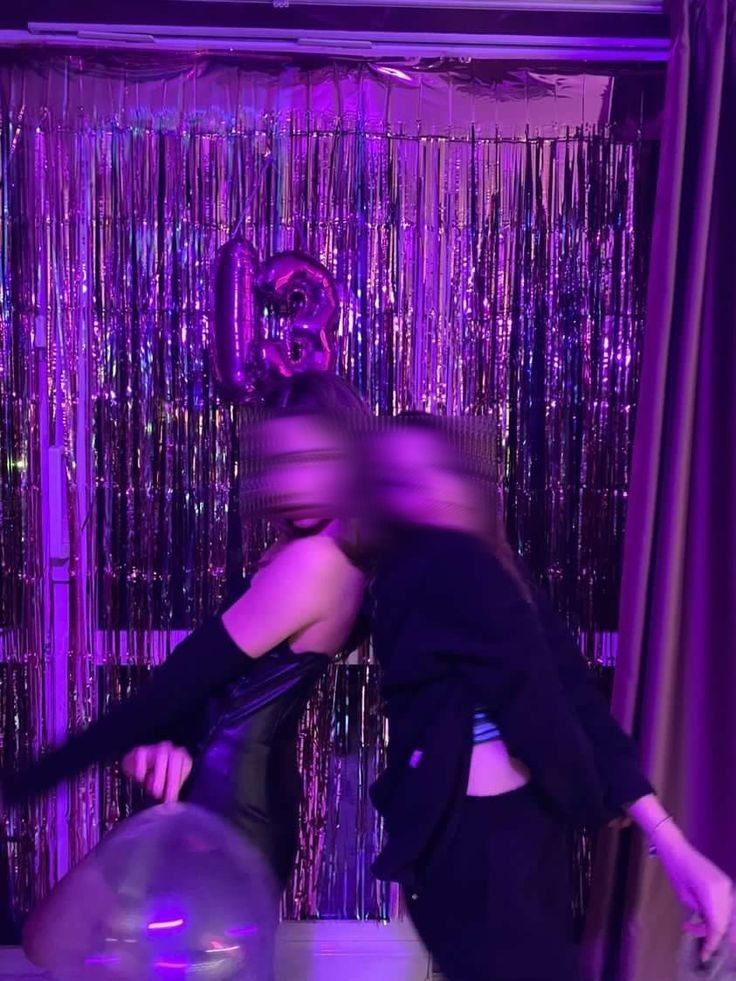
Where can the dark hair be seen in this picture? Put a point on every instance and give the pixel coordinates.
(469, 440)
(314, 393)
(469, 444)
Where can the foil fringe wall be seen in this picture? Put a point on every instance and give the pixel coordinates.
(492, 273)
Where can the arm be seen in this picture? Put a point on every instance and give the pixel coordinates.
(616, 754)
(700, 885)
(288, 596)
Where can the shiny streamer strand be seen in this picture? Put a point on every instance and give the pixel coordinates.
(497, 275)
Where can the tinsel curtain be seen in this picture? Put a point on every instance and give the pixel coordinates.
(489, 237)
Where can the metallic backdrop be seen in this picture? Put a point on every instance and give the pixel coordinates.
(488, 230)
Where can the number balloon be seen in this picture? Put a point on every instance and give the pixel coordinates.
(303, 295)
(237, 326)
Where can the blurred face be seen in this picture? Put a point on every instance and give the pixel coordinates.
(308, 471)
(418, 482)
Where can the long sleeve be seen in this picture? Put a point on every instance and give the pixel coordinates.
(615, 751)
(473, 616)
(198, 667)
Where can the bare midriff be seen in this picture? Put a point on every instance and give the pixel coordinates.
(494, 771)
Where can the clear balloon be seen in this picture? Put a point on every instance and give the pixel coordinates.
(175, 892)
(237, 324)
(303, 295)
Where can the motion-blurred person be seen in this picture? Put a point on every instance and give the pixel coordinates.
(248, 671)
(498, 738)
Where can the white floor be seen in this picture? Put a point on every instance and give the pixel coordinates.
(328, 950)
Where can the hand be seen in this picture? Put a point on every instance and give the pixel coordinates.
(701, 886)
(162, 769)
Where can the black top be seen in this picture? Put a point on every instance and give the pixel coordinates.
(451, 631)
(246, 766)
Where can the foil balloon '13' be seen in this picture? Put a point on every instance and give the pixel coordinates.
(237, 326)
(303, 295)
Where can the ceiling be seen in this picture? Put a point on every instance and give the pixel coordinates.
(579, 30)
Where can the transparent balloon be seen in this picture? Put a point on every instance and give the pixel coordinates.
(175, 892)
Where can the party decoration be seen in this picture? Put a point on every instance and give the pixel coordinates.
(487, 269)
(237, 329)
(303, 295)
(174, 892)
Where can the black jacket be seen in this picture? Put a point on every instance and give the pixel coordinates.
(452, 632)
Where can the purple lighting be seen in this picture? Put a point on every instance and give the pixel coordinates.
(393, 73)
(247, 930)
(163, 925)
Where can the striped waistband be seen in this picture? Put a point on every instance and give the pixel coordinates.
(484, 731)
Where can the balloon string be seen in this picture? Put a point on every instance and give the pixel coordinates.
(256, 187)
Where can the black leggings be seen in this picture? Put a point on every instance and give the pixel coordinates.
(494, 905)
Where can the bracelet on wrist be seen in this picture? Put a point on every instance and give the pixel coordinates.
(655, 829)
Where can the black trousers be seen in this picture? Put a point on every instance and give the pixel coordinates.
(494, 903)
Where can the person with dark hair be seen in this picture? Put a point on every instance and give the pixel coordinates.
(498, 738)
(249, 670)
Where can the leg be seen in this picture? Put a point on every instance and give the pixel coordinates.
(495, 904)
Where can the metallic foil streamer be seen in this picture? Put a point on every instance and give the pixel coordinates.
(26, 835)
(489, 235)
